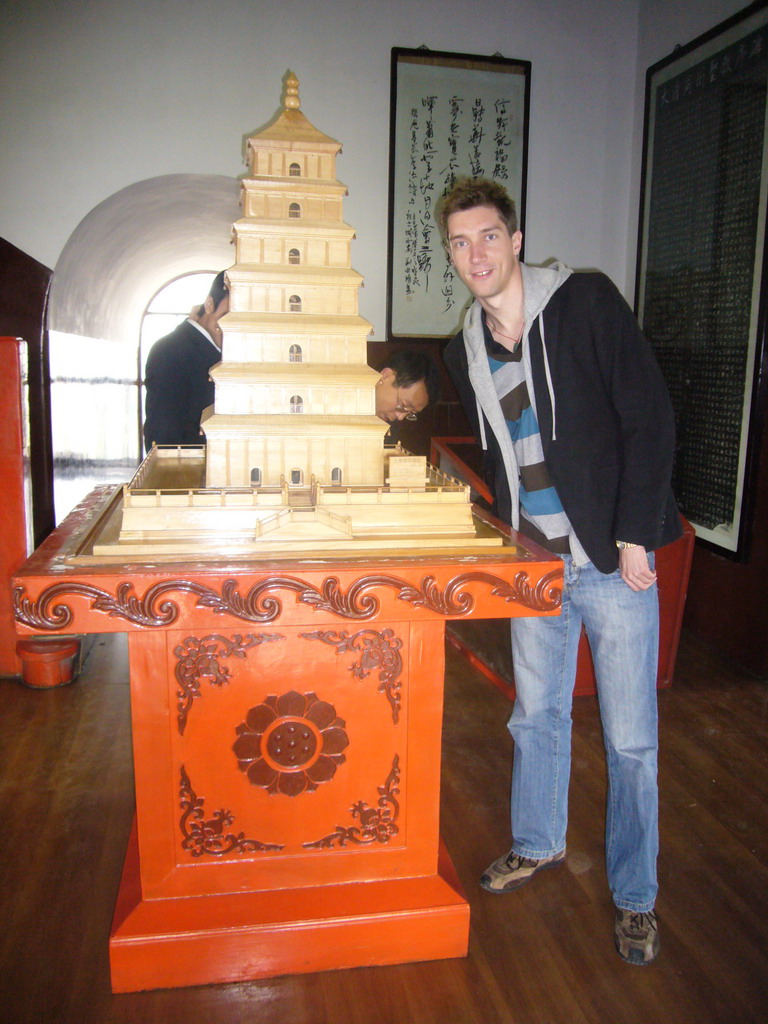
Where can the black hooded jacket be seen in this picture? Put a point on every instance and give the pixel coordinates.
(606, 421)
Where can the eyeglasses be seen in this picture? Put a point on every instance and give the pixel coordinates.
(409, 414)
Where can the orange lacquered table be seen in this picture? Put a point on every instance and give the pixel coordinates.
(286, 729)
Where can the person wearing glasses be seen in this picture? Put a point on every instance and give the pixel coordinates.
(406, 386)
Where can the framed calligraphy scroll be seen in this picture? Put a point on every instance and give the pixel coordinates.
(451, 115)
(701, 284)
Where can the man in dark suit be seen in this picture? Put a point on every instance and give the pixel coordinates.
(176, 378)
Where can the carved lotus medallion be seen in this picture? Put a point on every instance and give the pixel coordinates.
(291, 744)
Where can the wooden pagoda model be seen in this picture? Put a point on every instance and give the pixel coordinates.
(294, 394)
(295, 457)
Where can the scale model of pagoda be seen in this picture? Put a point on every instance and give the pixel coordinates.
(294, 458)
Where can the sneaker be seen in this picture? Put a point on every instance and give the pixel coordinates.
(512, 871)
(636, 936)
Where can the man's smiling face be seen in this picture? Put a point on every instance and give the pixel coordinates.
(482, 251)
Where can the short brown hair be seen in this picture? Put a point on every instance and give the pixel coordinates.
(470, 192)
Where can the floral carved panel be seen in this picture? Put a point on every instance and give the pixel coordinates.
(154, 609)
(376, 824)
(378, 650)
(199, 659)
(209, 836)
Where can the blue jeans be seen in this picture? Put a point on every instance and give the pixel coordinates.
(623, 629)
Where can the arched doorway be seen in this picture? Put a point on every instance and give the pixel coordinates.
(117, 260)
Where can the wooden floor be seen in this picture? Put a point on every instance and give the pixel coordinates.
(543, 955)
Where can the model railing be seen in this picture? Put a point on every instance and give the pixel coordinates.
(436, 485)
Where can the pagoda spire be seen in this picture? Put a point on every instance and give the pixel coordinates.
(292, 92)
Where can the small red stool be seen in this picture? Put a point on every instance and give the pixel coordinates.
(47, 662)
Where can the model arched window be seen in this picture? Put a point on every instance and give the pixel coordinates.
(294, 210)
(294, 256)
(297, 477)
(297, 403)
(295, 303)
(336, 476)
(294, 171)
(295, 354)
(256, 477)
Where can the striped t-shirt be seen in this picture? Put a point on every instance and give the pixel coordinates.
(541, 513)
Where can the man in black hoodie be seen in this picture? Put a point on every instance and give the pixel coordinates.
(566, 398)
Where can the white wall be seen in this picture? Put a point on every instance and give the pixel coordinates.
(99, 94)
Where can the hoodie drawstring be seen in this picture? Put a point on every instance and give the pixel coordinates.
(548, 375)
(481, 421)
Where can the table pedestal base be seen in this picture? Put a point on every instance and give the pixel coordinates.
(168, 943)
(287, 727)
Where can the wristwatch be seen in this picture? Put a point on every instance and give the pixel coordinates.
(621, 544)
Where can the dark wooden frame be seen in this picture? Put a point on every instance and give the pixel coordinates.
(703, 304)
(460, 137)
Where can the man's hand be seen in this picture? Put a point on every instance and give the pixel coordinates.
(634, 568)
